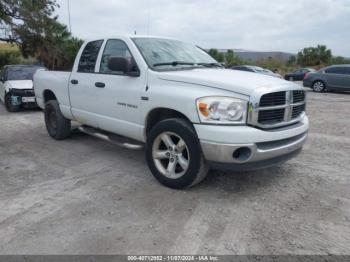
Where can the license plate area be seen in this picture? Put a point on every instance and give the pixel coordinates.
(28, 99)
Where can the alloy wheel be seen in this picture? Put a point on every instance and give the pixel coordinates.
(170, 155)
(318, 86)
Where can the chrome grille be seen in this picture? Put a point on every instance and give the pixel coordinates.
(297, 111)
(273, 99)
(271, 116)
(277, 109)
(298, 96)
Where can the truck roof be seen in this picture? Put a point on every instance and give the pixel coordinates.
(132, 36)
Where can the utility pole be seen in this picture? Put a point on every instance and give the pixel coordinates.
(69, 22)
(148, 21)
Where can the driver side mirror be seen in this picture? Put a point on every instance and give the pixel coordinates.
(121, 64)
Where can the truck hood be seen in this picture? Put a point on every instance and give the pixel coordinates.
(231, 80)
(20, 84)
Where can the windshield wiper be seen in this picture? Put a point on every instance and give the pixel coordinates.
(210, 64)
(173, 63)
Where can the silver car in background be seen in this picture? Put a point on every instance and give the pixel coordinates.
(332, 78)
(256, 69)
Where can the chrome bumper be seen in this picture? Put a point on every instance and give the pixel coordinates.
(253, 152)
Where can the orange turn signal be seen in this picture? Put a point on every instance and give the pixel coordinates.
(203, 108)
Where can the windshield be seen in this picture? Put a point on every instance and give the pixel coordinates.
(169, 54)
(21, 72)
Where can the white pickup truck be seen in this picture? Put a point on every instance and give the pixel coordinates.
(189, 112)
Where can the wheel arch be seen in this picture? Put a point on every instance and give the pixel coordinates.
(156, 115)
(319, 80)
(49, 95)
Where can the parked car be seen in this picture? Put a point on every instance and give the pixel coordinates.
(299, 74)
(256, 69)
(16, 86)
(336, 78)
(172, 97)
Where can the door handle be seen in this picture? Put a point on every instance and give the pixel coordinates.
(100, 84)
(74, 82)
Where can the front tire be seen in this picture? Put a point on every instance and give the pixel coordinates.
(8, 104)
(174, 155)
(318, 86)
(57, 125)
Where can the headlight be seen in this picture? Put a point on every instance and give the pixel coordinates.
(222, 110)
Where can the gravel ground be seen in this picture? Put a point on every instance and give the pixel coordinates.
(85, 196)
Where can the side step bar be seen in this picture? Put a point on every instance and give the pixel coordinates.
(114, 139)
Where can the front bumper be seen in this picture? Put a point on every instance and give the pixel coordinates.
(244, 147)
(24, 97)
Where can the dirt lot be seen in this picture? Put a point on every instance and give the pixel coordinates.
(85, 196)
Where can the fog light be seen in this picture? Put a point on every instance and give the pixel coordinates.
(242, 154)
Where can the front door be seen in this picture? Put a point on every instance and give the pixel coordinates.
(119, 113)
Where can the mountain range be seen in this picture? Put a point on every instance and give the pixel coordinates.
(254, 56)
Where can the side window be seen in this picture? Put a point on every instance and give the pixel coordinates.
(114, 48)
(347, 70)
(89, 56)
(335, 70)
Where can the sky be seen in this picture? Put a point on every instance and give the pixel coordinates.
(261, 25)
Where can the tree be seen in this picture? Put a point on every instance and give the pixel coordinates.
(15, 14)
(292, 61)
(313, 56)
(231, 59)
(340, 60)
(32, 25)
(218, 56)
(9, 57)
(270, 63)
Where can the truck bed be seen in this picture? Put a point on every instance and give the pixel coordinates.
(57, 81)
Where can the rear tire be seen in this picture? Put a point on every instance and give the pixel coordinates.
(319, 86)
(9, 106)
(174, 155)
(57, 125)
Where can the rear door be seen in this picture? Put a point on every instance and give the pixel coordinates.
(119, 113)
(84, 95)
